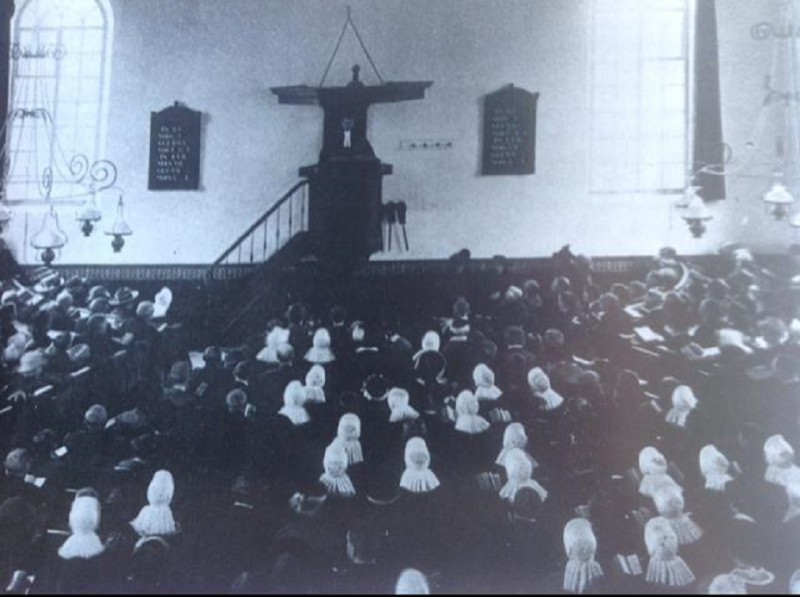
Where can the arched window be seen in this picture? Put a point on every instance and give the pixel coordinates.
(640, 76)
(60, 69)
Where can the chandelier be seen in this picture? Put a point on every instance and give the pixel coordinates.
(772, 151)
(37, 171)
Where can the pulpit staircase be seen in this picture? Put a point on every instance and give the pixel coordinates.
(242, 278)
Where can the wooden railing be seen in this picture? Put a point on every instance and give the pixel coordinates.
(287, 216)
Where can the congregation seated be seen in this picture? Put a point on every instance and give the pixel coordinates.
(549, 434)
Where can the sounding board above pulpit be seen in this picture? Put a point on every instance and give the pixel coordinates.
(345, 190)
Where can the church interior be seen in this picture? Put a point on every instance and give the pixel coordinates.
(400, 297)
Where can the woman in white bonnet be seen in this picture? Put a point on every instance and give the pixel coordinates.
(315, 385)
(669, 502)
(156, 517)
(665, 567)
(349, 434)
(794, 583)
(398, 400)
(430, 342)
(412, 582)
(683, 403)
(580, 544)
(518, 475)
(84, 520)
(468, 420)
(727, 584)
(320, 351)
(714, 467)
(335, 478)
(779, 457)
(539, 383)
(653, 468)
(275, 338)
(418, 477)
(83, 557)
(485, 389)
(514, 436)
(294, 397)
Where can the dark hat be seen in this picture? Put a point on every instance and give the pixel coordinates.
(49, 284)
(296, 313)
(338, 314)
(80, 353)
(236, 399)
(131, 419)
(375, 387)
(430, 365)
(18, 462)
(212, 354)
(146, 310)
(622, 292)
(560, 284)
(96, 415)
(514, 335)
(527, 503)
(98, 292)
(667, 253)
(243, 369)
(461, 309)
(99, 305)
(75, 282)
(553, 337)
(351, 401)
(382, 489)
(637, 289)
(123, 296)
(179, 373)
(60, 341)
(44, 439)
(773, 329)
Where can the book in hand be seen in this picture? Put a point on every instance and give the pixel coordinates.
(633, 312)
(499, 415)
(629, 564)
(80, 372)
(694, 352)
(196, 358)
(42, 391)
(450, 413)
(646, 334)
(489, 481)
(35, 481)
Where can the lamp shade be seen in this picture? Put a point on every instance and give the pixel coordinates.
(89, 213)
(49, 235)
(696, 210)
(778, 194)
(685, 199)
(120, 226)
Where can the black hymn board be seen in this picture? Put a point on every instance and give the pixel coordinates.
(174, 149)
(509, 132)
